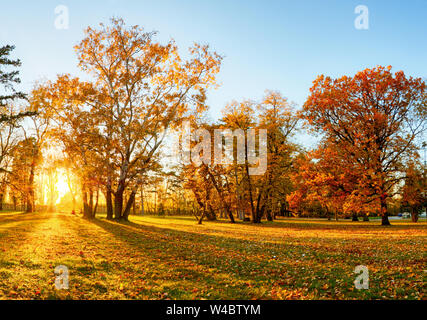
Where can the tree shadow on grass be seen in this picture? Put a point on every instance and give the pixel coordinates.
(302, 223)
(230, 267)
(311, 224)
(194, 265)
(21, 218)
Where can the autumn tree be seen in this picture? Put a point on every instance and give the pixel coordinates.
(277, 116)
(374, 119)
(140, 89)
(212, 183)
(413, 191)
(35, 133)
(197, 180)
(241, 116)
(21, 178)
(79, 138)
(263, 193)
(324, 177)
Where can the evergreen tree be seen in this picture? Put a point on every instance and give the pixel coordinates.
(7, 81)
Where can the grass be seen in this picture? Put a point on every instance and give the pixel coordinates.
(174, 258)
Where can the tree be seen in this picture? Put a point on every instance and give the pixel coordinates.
(140, 89)
(198, 180)
(413, 191)
(35, 134)
(211, 183)
(9, 138)
(278, 118)
(325, 177)
(26, 155)
(374, 119)
(7, 81)
(9, 114)
(264, 193)
(78, 135)
(241, 116)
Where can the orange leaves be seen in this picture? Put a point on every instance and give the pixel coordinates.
(372, 121)
(413, 191)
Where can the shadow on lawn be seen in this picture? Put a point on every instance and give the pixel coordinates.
(305, 224)
(220, 265)
(128, 231)
(21, 217)
(226, 266)
(309, 224)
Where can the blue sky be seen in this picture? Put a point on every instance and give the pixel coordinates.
(278, 45)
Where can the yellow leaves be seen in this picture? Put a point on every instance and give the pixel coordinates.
(140, 89)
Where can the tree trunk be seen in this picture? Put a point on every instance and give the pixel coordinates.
(29, 205)
(260, 212)
(414, 215)
(30, 196)
(96, 203)
(384, 213)
(91, 202)
(86, 210)
(230, 214)
(129, 204)
(200, 220)
(1, 201)
(257, 214)
(109, 201)
(74, 204)
(142, 202)
(384, 220)
(255, 219)
(269, 215)
(73, 196)
(355, 218)
(210, 214)
(155, 203)
(118, 202)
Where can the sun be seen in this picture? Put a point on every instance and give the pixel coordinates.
(61, 186)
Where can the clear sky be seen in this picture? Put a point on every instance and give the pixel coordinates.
(279, 45)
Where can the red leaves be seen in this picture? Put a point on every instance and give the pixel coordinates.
(369, 121)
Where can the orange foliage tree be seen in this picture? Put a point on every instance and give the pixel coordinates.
(326, 178)
(373, 118)
(414, 189)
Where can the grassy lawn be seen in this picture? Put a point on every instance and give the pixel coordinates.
(174, 258)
